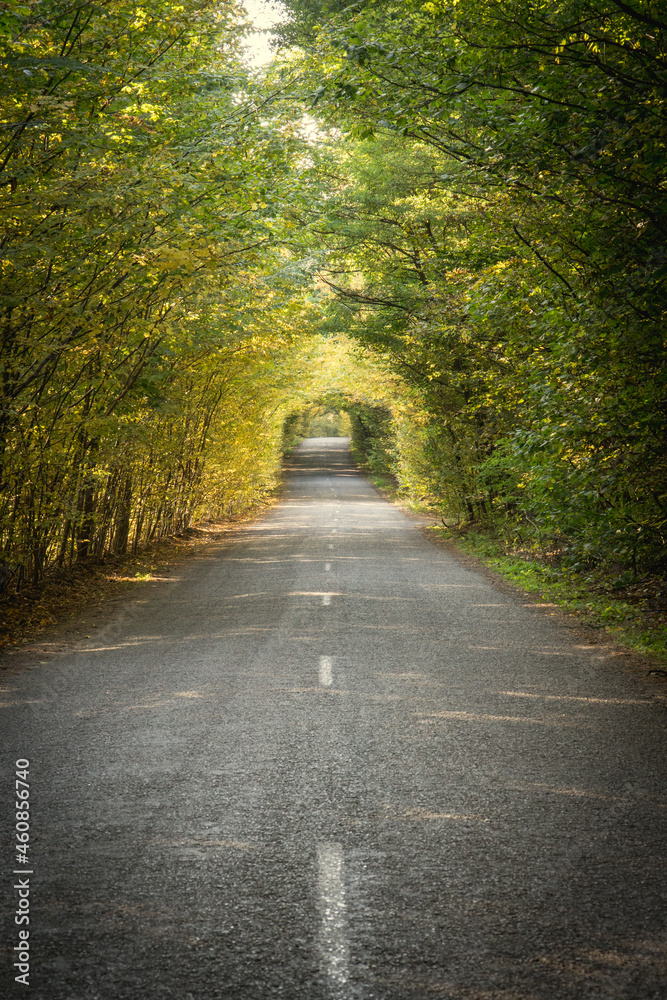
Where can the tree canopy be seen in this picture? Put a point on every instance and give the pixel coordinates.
(472, 193)
(498, 228)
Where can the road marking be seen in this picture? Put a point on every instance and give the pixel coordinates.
(326, 679)
(330, 546)
(334, 946)
(326, 599)
(327, 567)
(334, 530)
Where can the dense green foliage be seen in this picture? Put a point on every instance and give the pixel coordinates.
(482, 209)
(497, 227)
(145, 323)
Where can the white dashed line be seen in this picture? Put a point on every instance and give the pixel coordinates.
(326, 678)
(333, 941)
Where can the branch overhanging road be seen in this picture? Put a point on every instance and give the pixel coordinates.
(329, 762)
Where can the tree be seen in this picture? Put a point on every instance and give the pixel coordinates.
(140, 186)
(547, 124)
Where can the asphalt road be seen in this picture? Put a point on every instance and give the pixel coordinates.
(326, 761)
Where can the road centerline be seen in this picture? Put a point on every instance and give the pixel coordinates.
(333, 936)
(325, 671)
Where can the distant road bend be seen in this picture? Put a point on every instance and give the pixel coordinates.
(328, 762)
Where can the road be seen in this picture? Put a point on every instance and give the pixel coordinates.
(327, 761)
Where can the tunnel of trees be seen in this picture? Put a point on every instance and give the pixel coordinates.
(444, 221)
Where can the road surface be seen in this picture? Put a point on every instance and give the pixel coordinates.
(326, 761)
